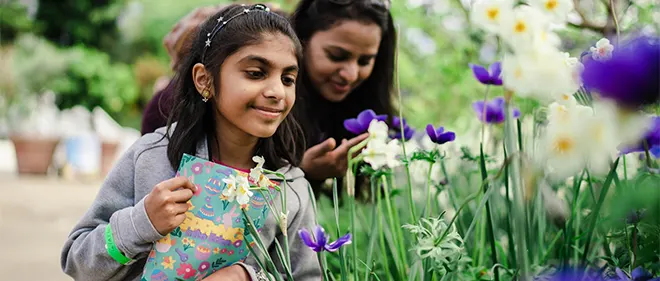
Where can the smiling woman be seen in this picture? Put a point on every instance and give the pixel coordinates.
(348, 67)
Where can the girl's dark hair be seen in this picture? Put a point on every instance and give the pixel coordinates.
(322, 119)
(195, 120)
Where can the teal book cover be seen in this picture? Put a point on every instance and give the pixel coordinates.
(214, 233)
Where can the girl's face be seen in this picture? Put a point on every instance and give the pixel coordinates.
(342, 57)
(257, 87)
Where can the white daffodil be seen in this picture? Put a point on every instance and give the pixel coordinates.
(541, 73)
(243, 192)
(562, 149)
(374, 153)
(631, 125)
(257, 175)
(230, 191)
(576, 68)
(523, 27)
(564, 144)
(392, 153)
(602, 137)
(489, 14)
(567, 100)
(264, 181)
(546, 38)
(567, 112)
(556, 10)
(378, 130)
(603, 50)
(257, 171)
(380, 154)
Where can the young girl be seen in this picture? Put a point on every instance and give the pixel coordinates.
(234, 92)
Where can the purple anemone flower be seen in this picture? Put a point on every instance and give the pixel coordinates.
(439, 135)
(630, 76)
(492, 76)
(319, 242)
(408, 131)
(638, 274)
(360, 124)
(652, 138)
(493, 111)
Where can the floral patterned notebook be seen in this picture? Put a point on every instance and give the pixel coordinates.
(214, 234)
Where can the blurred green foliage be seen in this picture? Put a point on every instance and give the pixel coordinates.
(71, 22)
(92, 80)
(13, 20)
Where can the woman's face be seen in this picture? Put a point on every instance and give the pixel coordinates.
(340, 58)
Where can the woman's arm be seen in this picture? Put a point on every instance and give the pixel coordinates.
(84, 256)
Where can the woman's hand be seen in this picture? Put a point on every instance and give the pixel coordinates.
(324, 161)
(166, 205)
(231, 273)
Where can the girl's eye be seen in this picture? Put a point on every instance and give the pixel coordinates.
(255, 74)
(289, 80)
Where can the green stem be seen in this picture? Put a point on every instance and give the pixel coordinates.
(287, 253)
(625, 168)
(450, 192)
(262, 248)
(458, 211)
(616, 21)
(354, 251)
(281, 251)
(429, 209)
(374, 225)
(544, 259)
(518, 196)
(350, 182)
(381, 232)
(509, 232)
(489, 216)
(601, 199)
(324, 264)
(396, 228)
(647, 155)
(259, 262)
(342, 250)
(413, 216)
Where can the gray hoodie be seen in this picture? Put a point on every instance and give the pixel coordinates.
(120, 202)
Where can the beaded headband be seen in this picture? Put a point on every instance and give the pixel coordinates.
(221, 22)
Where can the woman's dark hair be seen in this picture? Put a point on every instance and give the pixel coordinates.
(195, 119)
(322, 119)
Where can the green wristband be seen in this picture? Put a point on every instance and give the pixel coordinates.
(112, 248)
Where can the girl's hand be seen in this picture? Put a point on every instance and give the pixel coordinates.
(166, 204)
(231, 273)
(324, 161)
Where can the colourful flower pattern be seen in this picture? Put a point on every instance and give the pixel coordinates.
(203, 245)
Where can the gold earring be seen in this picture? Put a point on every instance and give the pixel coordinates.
(205, 95)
